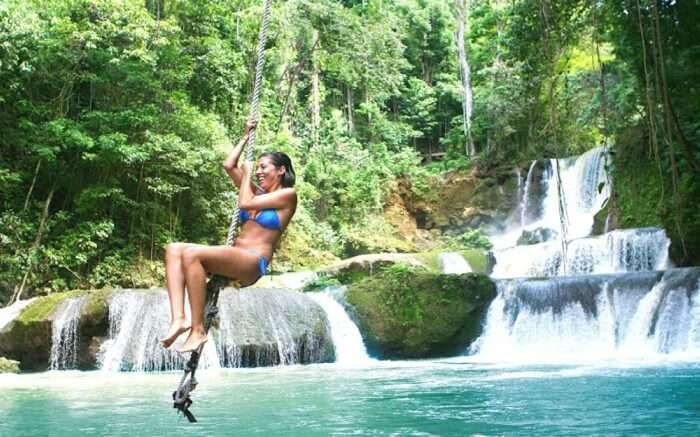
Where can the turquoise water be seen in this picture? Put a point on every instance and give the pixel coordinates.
(447, 397)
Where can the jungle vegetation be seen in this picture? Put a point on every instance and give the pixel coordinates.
(116, 114)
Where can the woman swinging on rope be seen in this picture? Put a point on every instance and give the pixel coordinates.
(266, 210)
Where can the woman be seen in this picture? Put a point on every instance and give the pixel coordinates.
(265, 213)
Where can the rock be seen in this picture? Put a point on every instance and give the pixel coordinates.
(536, 236)
(412, 313)
(360, 266)
(8, 366)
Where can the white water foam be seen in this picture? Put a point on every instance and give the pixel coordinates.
(350, 350)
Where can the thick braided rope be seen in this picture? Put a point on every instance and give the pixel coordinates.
(262, 39)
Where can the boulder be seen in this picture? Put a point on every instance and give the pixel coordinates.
(406, 312)
(536, 236)
(8, 366)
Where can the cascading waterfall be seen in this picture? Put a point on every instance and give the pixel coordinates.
(280, 323)
(350, 350)
(597, 317)
(524, 202)
(584, 187)
(630, 250)
(579, 184)
(137, 320)
(64, 334)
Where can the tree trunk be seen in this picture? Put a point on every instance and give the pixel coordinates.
(350, 104)
(31, 187)
(315, 96)
(465, 73)
(35, 246)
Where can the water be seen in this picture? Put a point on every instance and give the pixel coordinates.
(256, 327)
(64, 334)
(350, 351)
(633, 316)
(574, 189)
(421, 398)
(629, 250)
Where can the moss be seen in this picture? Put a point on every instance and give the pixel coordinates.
(42, 307)
(411, 312)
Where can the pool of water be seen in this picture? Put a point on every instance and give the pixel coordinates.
(421, 398)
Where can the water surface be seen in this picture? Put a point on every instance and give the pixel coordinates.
(421, 398)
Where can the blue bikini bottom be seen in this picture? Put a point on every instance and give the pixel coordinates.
(262, 262)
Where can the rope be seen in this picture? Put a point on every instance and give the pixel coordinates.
(188, 382)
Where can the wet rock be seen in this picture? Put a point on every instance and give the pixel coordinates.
(8, 366)
(536, 236)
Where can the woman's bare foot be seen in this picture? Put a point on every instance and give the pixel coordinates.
(177, 327)
(194, 341)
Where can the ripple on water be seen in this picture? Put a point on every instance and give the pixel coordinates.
(400, 398)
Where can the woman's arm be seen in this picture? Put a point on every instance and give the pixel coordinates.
(231, 162)
(280, 199)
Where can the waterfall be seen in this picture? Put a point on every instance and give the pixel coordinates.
(526, 195)
(350, 350)
(64, 334)
(584, 189)
(453, 262)
(597, 317)
(137, 319)
(631, 250)
(270, 327)
(579, 184)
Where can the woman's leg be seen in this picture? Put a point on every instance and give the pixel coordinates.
(232, 262)
(175, 281)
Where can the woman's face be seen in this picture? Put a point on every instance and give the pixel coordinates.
(267, 174)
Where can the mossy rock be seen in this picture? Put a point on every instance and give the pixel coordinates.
(8, 366)
(406, 312)
(28, 337)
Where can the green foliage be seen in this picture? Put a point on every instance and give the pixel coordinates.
(116, 114)
(474, 239)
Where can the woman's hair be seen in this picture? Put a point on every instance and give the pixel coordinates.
(279, 159)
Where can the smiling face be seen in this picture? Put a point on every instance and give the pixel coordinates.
(268, 176)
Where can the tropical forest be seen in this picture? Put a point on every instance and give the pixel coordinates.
(510, 187)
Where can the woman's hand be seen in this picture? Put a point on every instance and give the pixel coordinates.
(248, 168)
(250, 126)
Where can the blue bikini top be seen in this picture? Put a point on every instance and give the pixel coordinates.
(266, 218)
